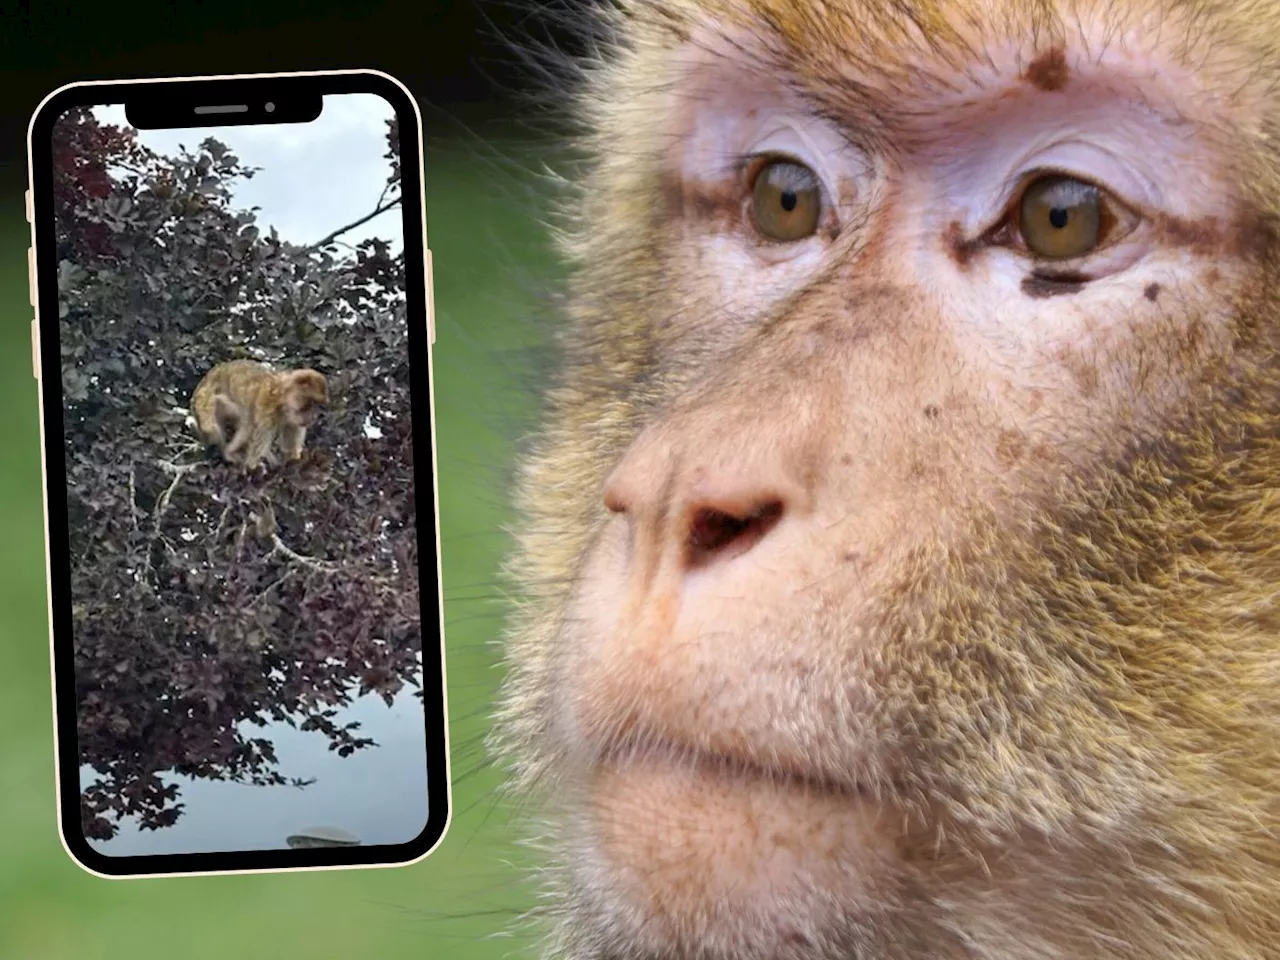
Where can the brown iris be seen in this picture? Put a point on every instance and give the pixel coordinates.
(1061, 217)
(786, 201)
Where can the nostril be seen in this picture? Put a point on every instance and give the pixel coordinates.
(717, 533)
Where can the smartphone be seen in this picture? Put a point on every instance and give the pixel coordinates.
(232, 345)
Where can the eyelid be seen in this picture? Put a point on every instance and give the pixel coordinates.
(753, 164)
(801, 141)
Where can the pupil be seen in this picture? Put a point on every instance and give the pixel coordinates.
(1058, 217)
(788, 201)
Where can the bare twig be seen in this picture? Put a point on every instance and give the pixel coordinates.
(222, 519)
(133, 498)
(244, 527)
(190, 447)
(271, 586)
(162, 504)
(175, 469)
(177, 472)
(387, 189)
(321, 566)
(380, 209)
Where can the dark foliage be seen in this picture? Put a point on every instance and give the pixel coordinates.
(208, 603)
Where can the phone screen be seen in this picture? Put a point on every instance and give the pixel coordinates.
(234, 359)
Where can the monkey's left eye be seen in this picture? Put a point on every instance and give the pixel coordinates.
(1060, 217)
(786, 200)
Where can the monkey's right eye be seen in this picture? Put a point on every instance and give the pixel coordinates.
(786, 200)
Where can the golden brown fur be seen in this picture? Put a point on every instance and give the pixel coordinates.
(247, 409)
(1003, 682)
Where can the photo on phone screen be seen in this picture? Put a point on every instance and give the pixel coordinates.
(234, 358)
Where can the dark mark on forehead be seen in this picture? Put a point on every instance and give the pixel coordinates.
(1048, 71)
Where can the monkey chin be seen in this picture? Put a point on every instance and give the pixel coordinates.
(698, 857)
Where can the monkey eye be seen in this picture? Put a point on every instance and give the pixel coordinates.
(786, 200)
(1061, 217)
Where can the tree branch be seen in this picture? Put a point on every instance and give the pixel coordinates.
(380, 209)
(321, 566)
(162, 503)
(133, 499)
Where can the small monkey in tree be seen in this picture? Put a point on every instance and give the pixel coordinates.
(247, 409)
(901, 548)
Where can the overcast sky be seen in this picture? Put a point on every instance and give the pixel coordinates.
(314, 177)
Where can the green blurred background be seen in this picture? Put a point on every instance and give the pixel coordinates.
(492, 271)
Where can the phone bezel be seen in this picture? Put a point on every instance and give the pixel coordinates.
(282, 88)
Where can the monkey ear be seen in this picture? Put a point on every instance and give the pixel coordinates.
(319, 383)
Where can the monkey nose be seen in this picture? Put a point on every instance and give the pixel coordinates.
(715, 533)
(706, 513)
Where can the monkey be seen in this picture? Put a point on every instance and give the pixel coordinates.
(897, 550)
(246, 409)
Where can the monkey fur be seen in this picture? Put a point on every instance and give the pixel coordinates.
(247, 409)
(999, 678)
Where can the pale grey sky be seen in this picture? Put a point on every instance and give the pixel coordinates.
(314, 177)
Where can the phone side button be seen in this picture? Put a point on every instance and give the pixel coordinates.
(35, 349)
(431, 300)
(31, 210)
(31, 275)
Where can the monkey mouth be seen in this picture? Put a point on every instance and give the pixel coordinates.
(689, 837)
(732, 766)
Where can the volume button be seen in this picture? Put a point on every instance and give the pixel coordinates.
(431, 300)
(35, 349)
(31, 210)
(31, 275)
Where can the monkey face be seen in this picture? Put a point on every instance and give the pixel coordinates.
(307, 396)
(306, 413)
(910, 505)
